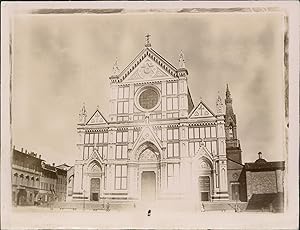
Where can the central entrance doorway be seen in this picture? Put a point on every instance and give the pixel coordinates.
(148, 186)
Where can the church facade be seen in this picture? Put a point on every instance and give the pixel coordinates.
(156, 143)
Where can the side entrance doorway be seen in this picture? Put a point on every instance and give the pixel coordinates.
(148, 186)
(95, 189)
(235, 191)
(204, 188)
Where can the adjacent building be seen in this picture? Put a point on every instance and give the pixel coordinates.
(156, 143)
(262, 183)
(35, 181)
(26, 177)
(48, 183)
(61, 183)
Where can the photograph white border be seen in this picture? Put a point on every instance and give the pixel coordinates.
(288, 219)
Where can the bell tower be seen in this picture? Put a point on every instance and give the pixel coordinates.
(233, 148)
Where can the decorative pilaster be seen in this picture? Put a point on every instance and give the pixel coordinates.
(183, 91)
(163, 99)
(113, 102)
(132, 180)
(78, 177)
(112, 135)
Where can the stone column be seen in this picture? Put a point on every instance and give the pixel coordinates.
(113, 102)
(78, 177)
(131, 102)
(132, 180)
(111, 143)
(86, 186)
(214, 188)
(185, 176)
(194, 189)
(163, 99)
(110, 177)
(80, 144)
(184, 148)
(183, 96)
(164, 176)
(223, 175)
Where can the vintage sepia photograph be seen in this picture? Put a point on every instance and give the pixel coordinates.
(150, 115)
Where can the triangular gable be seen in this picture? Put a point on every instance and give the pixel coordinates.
(95, 156)
(201, 110)
(203, 152)
(148, 70)
(97, 119)
(147, 134)
(149, 53)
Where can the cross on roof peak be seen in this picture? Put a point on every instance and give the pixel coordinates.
(147, 43)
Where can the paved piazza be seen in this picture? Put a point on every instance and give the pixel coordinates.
(29, 217)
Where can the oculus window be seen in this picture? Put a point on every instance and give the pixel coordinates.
(148, 98)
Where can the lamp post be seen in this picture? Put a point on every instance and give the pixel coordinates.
(236, 200)
(84, 199)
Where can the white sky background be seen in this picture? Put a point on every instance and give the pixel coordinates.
(61, 61)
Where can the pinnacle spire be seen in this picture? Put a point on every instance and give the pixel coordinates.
(83, 109)
(227, 90)
(228, 95)
(82, 114)
(147, 41)
(181, 60)
(219, 104)
(116, 69)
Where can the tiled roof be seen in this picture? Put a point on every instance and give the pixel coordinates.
(19, 154)
(264, 166)
(263, 201)
(49, 167)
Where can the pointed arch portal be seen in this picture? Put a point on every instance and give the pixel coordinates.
(148, 156)
(94, 170)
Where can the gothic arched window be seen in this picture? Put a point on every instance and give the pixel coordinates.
(230, 132)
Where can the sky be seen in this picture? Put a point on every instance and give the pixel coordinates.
(63, 61)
